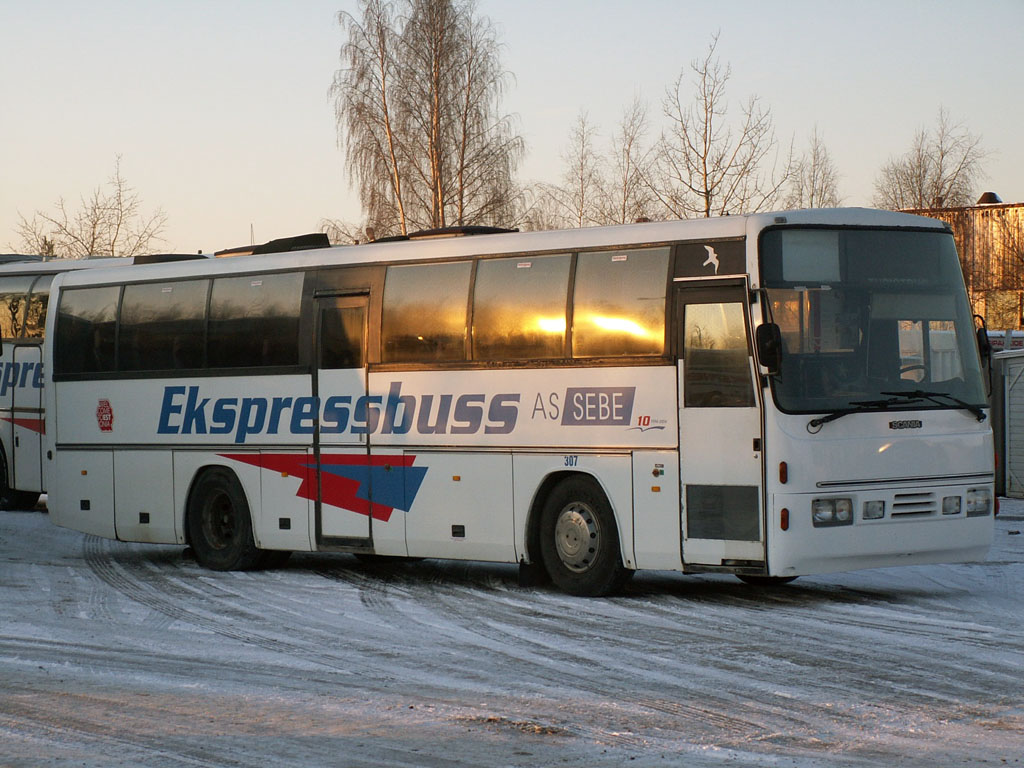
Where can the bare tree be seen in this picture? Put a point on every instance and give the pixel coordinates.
(540, 207)
(579, 198)
(110, 222)
(628, 197)
(705, 166)
(363, 91)
(417, 103)
(941, 169)
(814, 180)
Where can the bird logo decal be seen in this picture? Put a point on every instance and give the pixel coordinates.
(711, 259)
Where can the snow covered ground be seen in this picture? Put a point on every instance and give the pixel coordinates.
(123, 654)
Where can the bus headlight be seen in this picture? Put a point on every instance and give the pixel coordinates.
(873, 510)
(826, 512)
(979, 502)
(951, 505)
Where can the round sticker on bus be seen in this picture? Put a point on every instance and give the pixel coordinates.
(105, 416)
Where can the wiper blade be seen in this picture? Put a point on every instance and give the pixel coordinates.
(859, 406)
(946, 399)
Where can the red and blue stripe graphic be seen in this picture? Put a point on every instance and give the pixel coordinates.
(348, 480)
(36, 425)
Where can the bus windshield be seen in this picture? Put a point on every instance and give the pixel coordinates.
(869, 317)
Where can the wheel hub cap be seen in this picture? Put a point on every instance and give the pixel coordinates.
(577, 537)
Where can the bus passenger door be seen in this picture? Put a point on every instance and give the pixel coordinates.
(719, 429)
(27, 418)
(340, 439)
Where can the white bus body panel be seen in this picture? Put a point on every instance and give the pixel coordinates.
(866, 460)
(144, 497)
(463, 507)
(85, 502)
(657, 521)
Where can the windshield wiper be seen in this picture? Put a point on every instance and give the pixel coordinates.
(858, 406)
(920, 394)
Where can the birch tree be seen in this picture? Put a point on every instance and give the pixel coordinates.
(417, 102)
(628, 196)
(814, 180)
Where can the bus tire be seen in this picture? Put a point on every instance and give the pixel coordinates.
(219, 523)
(579, 540)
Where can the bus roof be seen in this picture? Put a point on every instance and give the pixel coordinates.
(511, 243)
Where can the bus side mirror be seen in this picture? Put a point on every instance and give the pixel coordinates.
(768, 339)
(984, 345)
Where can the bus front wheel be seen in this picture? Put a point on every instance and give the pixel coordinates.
(579, 540)
(219, 523)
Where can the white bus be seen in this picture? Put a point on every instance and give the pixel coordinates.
(753, 395)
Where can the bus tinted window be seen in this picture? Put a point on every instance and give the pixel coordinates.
(35, 316)
(85, 330)
(13, 298)
(619, 303)
(716, 368)
(424, 317)
(162, 326)
(254, 321)
(519, 307)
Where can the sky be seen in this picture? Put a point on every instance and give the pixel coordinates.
(220, 114)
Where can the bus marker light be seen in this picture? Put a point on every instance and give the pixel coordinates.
(85, 472)
(656, 489)
(784, 519)
(456, 478)
(783, 472)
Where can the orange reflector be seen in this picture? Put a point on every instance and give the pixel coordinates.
(784, 519)
(783, 472)
(656, 488)
(457, 478)
(85, 472)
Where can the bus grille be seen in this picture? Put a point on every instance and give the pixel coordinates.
(914, 505)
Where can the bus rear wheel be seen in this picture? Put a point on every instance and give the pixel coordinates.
(219, 523)
(579, 540)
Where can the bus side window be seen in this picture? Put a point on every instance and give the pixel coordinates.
(519, 308)
(254, 321)
(341, 335)
(162, 326)
(86, 321)
(715, 365)
(619, 303)
(424, 317)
